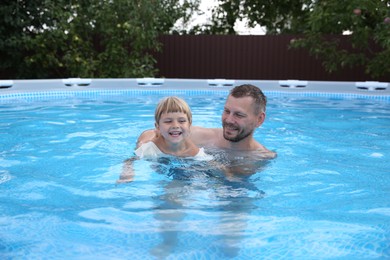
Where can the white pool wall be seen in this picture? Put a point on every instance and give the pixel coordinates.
(290, 85)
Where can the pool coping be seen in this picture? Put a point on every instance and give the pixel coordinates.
(15, 88)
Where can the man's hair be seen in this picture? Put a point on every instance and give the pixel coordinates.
(172, 105)
(248, 90)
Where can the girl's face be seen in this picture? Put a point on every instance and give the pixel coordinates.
(174, 127)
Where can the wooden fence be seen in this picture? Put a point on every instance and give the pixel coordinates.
(260, 57)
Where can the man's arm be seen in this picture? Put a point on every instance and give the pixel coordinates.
(204, 137)
(145, 137)
(127, 174)
(201, 136)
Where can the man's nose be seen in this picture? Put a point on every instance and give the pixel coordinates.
(229, 118)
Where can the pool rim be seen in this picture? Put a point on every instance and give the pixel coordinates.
(26, 89)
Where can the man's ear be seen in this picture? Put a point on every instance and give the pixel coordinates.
(260, 119)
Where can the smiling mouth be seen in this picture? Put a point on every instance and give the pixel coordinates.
(175, 133)
(230, 128)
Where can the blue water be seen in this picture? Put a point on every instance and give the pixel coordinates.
(326, 195)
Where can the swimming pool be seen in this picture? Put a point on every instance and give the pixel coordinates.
(324, 196)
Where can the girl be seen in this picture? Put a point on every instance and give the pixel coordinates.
(173, 119)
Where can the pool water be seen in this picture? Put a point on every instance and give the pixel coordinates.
(326, 195)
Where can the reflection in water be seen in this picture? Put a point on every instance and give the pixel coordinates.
(237, 199)
(169, 212)
(230, 197)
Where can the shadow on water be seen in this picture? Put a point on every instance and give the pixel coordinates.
(221, 190)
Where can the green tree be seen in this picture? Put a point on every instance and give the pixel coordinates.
(86, 38)
(320, 24)
(277, 16)
(368, 24)
(20, 22)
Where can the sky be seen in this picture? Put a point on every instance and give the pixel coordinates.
(240, 27)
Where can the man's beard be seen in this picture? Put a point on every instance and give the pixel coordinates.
(240, 136)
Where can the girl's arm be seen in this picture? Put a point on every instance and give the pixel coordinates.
(127, 174)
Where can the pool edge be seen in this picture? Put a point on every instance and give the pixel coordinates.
(74, 85)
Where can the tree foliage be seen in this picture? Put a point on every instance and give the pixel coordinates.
(87, 38)
(321, 23)
(368, 24)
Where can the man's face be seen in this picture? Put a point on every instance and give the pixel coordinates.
(239, 119)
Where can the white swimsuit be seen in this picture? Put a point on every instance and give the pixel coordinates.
(150, 150)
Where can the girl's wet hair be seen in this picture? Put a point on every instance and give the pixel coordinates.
(248, 90)
(172, 105)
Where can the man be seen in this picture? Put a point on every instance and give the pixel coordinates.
(244, 111)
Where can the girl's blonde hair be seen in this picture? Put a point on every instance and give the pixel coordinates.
(172, 105)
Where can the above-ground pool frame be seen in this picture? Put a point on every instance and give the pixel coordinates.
(15, 89)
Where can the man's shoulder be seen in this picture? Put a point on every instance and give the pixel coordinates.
(267, 154)
(264, 153)
(202, 136)
(205, 131)
(146, 136)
